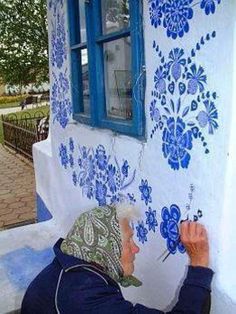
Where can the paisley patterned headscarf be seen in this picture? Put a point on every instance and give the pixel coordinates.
(96, 237)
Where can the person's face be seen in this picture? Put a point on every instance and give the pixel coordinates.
(129, 248)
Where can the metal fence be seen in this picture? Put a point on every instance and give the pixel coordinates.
(21, 133)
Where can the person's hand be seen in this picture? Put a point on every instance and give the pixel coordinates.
(194, 238)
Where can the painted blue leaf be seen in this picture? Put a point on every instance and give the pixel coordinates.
(169, 77)
(183, 76)
(208, 94)
(194, 105)
(178, 105)
(203, 96)
(202, 40)
(213, 34)
(167, 110)
(189, 60)
(185, 69)
(185, 112)
(154, 44)
(214, 95)
(198, 46)
(172, 105)
(160, 54)
(162, 59)
(191, 123)
(207, 151)
(193, 53)
(198, 98)
(171, 88)
(182, 88)
(208, 37)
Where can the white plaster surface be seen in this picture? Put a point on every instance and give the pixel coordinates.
(213, 175)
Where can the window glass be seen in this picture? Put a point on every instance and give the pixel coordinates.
(83, 35)
(85, 80)
(115, 15)
(117, 75)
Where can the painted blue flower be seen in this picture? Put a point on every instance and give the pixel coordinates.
(154, 111)
(169, 228)
(63, 156)
(159, 80)
(125, 169)
(208, 117)
(176, 16)
(151, 219)
(58, 42)
(74, 178)
(209, 6)
(176, 62)
(111, 172)
(141, 232)
(60, 102)
(145, 192)
(101, 193)
(87, 166)
(196, 79)
(176, 143)
(101, 157)
(88, 189)
(155, 11)
(71, 144)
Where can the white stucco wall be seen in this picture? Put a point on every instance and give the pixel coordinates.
(211, 174)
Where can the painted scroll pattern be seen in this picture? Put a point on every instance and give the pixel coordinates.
(182, 109)
(100, 176)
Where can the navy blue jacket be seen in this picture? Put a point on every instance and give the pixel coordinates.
(71, 286)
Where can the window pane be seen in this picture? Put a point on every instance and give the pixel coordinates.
(81, 88)
(85, 80)
(83, 35)
(115, 15)
(117, 72)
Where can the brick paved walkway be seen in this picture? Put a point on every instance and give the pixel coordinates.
(17, 190)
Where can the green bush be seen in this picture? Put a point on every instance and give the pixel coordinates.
(11, 99)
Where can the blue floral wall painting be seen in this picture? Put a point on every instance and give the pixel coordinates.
(182, 109)
(170, 221)
(175, 15)
(61, 106)
(103, 178)
(100, 176)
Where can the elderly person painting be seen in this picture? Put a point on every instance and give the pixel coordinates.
(98, 256)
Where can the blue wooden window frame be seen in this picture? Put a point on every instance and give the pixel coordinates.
(95, 39)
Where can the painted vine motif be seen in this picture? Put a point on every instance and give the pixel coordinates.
(182, 108)
(98, 175)
(60, 99)
(175, 16)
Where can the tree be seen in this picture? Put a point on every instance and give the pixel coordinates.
(23, 42)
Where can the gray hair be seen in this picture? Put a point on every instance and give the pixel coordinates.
(126, 209)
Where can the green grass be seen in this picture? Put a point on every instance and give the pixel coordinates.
(9, 105)
(19, 114)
